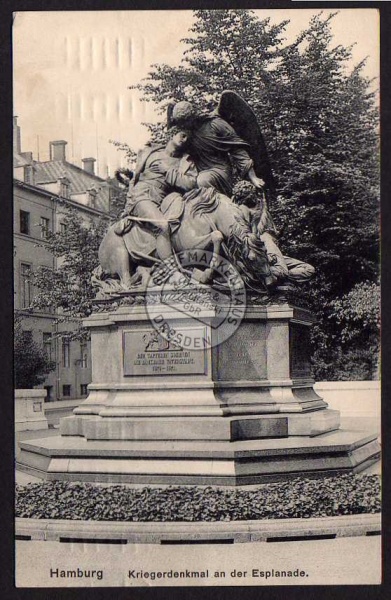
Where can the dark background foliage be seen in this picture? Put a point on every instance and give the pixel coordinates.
(67, 288)
(31, 364)
(319, 117)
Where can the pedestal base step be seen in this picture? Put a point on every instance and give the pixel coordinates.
(201, 428)
(199, 463)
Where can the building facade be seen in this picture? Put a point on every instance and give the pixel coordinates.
(41, 189)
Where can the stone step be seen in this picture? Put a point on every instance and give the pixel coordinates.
(201, 428)
(199, 462)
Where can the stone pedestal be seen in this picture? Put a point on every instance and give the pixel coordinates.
(29, 413)
(204, 410)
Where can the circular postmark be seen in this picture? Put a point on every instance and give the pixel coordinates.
(189, 313)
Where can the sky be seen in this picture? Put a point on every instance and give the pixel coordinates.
(72, 71)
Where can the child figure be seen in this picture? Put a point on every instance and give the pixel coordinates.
(284, 269)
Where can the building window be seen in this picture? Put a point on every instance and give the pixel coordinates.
(47, 344)
(29, 174)
(63, 228)
(91, 195)
(64, 184)
(66, 391)
(47, 272)
(44, 228)
(26, 285)
(83, 356)
(66, 353)
(24, 218)
(28, 336)
(83, 389)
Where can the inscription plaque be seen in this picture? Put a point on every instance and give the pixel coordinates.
(148, 353)
(300, 350)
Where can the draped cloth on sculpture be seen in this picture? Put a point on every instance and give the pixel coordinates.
(140, 239)
(212, 144)
(180, 174)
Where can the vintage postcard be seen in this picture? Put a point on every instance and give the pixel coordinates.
(196, 268)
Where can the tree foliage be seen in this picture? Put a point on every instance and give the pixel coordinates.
(357, 315)
(359, 310)
(66, 289)
(31, 364)
(319, 117)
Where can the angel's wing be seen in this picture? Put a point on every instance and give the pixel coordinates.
(233, 109)
(170, 108)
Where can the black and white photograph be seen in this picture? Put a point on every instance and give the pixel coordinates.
(196, 246)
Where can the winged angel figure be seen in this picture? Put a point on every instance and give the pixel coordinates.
(230, 132)
(182, 192)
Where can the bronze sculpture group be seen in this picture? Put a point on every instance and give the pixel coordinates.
(182, 197)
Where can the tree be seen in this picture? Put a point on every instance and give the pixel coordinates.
(329, 180)
(31, 364)
(231, 49)
(358, 313)
(320, 121)
(67, 289)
